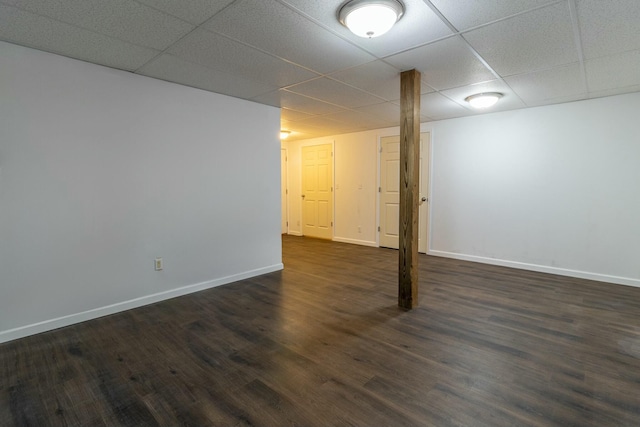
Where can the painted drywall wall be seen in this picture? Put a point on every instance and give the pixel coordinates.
(552, 189)
(555, 187)
(102, 171)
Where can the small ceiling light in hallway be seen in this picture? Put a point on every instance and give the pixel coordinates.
(370, 18)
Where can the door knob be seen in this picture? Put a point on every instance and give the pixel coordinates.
(303, 196)
(424, 199)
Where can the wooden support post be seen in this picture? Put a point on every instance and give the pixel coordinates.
(409, 188)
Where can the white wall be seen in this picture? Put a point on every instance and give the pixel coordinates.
(101, 171)
(555, 188)
(552, 189)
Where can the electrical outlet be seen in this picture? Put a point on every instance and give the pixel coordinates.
(158, 264)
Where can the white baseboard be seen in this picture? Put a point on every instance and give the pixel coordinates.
(540, 268)
(355, 242)
(295, 233)
(48, 325)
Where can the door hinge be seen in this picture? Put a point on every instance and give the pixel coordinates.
(378, 228)
(332, 154)
(381, 148)
(332, 223)
(332, 189)
(286, 191)
(379, 189)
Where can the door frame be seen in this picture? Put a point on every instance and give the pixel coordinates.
(430, 183)
(333, 180)
(285, 167)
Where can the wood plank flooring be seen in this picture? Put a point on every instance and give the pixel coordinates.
(322, 343)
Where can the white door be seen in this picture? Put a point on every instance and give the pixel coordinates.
(317, 191)
(390, 192)
(423, 200)
(284, 191)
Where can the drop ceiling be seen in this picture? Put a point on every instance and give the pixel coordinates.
(294, 54)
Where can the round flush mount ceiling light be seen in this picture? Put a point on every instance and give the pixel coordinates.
(284, 134)
(370, 18)
(483, 100)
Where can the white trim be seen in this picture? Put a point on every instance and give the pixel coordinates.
(379, 186)
(424, 129)
(295, 233)
(286, 184)
(540, 268)
(355, 242)
(48, 325)
(427, 242)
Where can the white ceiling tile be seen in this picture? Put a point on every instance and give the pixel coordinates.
(464, 14)
(293, 115)
(170, 68)
(193, 11)
(303, 131)
(334, 92)
(357, 119)
(560, 100)
(322, 126)
(424, 88)
(608, 26)
(377, 78)
(271, 98)
(423, 115)
(320, 121)
(542, 86)
(387, 111)
(307, 128)
(418, 26)
(437, 106)
(298, 136)
(615, 71)
(279, 30)
(444, 64)
(293, 101)
(532, 41)
(28, 29)
(509, 100)
(126, 20)
(220, 53)
(616, 91)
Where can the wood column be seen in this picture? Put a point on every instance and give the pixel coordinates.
(409, 188)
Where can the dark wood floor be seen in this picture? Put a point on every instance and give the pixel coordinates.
(322, 343)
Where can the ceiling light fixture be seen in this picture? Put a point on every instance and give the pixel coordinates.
(284, 134)
(483, 100)
(370, 18)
